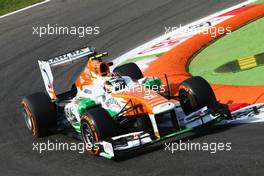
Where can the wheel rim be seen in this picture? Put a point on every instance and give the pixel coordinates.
(87, 135)
(185, 96)
(188, 101)
(27, 119)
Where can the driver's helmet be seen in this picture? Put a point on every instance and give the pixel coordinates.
(114, 82)
(98, 67)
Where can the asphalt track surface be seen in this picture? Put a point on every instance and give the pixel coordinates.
(124, 25)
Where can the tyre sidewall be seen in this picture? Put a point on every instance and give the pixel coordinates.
(42, 113)
(200, 91)
(89, 122)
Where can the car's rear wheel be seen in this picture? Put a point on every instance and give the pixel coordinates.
(96, 125)
(39, 114)
(131, 70)
(196, 93)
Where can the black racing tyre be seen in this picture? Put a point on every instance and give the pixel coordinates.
(96, 125)
(40, 114)
(196, 93)
(131, 70)
(73, 87)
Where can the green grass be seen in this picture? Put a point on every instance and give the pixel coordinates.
(7, 6)
(246, 41)
(259, 1)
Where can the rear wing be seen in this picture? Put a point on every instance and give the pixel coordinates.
(64, 59)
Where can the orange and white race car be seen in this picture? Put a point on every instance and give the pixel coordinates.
(117, 111)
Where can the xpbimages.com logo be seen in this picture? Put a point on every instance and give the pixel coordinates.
(79, 31)
(212, 147)
(42, 147)
(205, 28)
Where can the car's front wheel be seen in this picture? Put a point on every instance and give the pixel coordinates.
(196, 93)
(96, 125)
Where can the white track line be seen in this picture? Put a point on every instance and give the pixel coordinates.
(20, 10)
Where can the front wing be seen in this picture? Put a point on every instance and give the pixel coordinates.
(120, 145)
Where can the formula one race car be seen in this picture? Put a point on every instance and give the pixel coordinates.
(118, 111)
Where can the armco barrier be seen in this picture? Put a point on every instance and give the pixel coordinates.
(174, 62)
